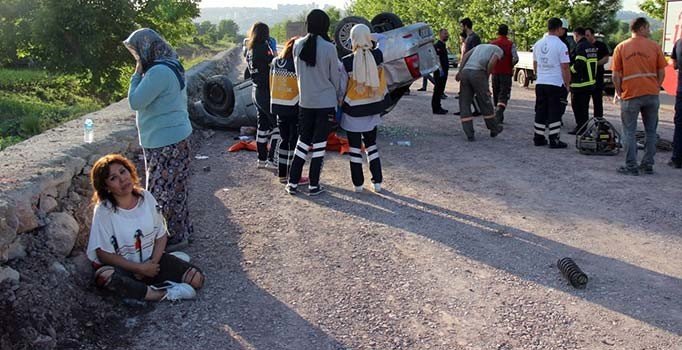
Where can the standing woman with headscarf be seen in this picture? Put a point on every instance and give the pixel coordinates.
(157, 93)
(366, 97)
(258, 57)
(319, 86)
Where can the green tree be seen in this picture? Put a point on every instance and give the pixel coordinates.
(228, 28)
(205, 27)
(14, 30)
(527, 19)
(172, 18)
(84, 36)
(653, 8)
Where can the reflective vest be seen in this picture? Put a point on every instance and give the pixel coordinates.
(584, 66)
(283, 87)
(361, 101)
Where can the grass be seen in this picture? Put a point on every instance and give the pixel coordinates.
(32, 101)
(192, 54)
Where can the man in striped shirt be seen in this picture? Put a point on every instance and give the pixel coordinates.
(638, 71)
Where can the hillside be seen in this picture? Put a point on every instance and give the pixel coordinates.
(246, 16)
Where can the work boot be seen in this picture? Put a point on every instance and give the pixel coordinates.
(554, 142)
(499, 114)
(468, 127)
(539, 140)
(493, 126)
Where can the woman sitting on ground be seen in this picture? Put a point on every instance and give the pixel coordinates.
(128, 238)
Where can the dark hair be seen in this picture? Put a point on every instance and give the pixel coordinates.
(463, 35)
(258, 34)
(503, 29)
(579, 30)
(467, 23)
(590, 29)
(100, 173)
(317, 24)
(554, 24)
(442, 30)
(637, 23)
(288, 51)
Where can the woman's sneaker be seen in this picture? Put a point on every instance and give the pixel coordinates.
(179, 291)
(261, 164)
(358, 189)
(290, 189)
(377, 187)
(315, 190)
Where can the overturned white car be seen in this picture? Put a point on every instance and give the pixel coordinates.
(408, 55)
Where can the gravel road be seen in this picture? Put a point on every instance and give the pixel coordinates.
(458, 252)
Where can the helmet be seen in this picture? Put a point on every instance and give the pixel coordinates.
(564, 23)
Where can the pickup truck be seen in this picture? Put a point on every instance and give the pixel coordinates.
(523, 72)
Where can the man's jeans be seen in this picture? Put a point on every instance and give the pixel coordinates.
(677, 138)
(629, 110)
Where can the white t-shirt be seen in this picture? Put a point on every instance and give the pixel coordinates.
(122, 226)
(549, 53)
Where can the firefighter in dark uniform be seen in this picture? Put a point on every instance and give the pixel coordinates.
(441, 75)
(583, 77)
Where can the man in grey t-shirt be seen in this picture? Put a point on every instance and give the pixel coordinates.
(472, 39)
(473, 76)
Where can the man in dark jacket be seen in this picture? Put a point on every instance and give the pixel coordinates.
(583, 77)
(602, 57)
(502, 72)
(441, 75)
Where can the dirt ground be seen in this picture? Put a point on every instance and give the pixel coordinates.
(458, 252)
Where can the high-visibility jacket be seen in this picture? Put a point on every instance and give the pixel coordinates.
(283, 87)
(361, 102)
(583, 66)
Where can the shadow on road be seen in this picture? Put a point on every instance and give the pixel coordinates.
(622, 287)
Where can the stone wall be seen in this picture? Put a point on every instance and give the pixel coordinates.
(44, 185)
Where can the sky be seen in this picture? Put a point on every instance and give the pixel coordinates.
(269, 3)
(630, 5)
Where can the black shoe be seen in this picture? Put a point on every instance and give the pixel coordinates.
(457, 113)
(475, 114)
(314, 191)
(646, 169)
(540, 141)
(442, 97)
(675, 164)
(496, 132)
(628, 171)
(441, 111)
(290, 189)
(421, 89)
(557, 144)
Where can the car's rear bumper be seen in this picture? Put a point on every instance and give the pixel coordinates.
(399, 75)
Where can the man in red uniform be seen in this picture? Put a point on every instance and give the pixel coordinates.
(502, 72)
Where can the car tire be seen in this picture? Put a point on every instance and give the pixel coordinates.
(386, 21)
(342, 33)
(522, 78)
(218, 95)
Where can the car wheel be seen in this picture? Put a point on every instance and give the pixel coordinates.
(218, 95)
(522, 78)
(386, 21)
(342, 33)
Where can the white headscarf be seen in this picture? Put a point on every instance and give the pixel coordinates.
(365, 70)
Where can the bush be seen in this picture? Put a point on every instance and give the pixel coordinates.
(32, 101)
